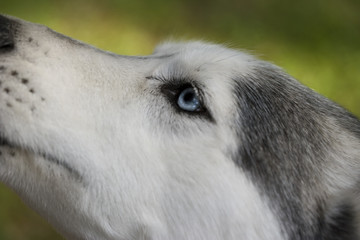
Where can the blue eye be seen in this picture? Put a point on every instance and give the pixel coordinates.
(188, 100)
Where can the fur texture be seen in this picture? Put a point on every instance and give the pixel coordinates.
(91, 141)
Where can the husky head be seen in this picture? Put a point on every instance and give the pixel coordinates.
(195, 141)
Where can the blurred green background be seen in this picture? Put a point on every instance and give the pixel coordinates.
(317, 41)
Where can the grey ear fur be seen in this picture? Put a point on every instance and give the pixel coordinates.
(268, 100)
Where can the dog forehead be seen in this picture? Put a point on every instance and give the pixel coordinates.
(213, 68)
(200, 55)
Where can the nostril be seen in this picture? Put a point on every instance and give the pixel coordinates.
(6, 35)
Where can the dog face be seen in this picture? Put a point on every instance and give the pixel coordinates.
(195, 141)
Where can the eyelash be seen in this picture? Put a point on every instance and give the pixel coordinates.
(172, 89)
(172, 93)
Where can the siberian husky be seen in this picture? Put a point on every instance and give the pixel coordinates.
(194, 142)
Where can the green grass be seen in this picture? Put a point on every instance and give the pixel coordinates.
(317, 41)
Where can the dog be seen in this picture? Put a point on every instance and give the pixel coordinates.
(195, 141)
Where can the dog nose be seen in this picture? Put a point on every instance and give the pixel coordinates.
(6, 34)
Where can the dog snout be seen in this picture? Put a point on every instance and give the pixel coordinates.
(7, 42)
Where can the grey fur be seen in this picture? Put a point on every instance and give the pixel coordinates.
(284, 145)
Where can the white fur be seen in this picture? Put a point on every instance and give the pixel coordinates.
(142, 171)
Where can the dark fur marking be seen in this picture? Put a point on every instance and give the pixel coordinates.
(282, 145)
(340, 224)
(7, 90)
(7, 29)
(14, 73)
(24, 81)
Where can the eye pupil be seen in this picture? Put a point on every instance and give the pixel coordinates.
(188, 100)
(189, 96)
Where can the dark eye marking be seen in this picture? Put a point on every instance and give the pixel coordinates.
(185, 97)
